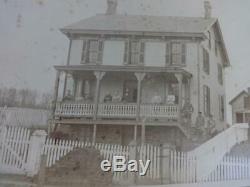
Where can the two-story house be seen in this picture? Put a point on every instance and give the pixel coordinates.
(241, 107)
(128, 77)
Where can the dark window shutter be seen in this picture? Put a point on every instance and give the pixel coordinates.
(142, 51)
(183, 54)
(100, 51)
(84, 49)
(87, 51)
(209, 103)
(168, 53)
(126, 53)
(204, 99)
(208, 62)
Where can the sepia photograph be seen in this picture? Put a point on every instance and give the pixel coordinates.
(124, 93)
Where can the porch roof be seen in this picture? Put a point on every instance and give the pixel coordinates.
(108, 68)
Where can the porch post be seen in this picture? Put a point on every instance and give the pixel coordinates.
(179, 77)
(79, 89)
(94, 134)
(99, 75)
(143, 131)
(139, 77)
(135, 133)
(188, 89)
(55, 96)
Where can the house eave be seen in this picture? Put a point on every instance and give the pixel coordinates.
(111, 68)
(69, 32)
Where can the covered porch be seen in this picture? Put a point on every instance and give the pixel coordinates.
(127, 94)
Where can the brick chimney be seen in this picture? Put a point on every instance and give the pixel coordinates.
(208, 9)
(112, 6)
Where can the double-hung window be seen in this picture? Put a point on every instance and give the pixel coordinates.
(134, 53)
(92, 51)
(175, 53)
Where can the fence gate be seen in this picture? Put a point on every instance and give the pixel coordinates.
(14, 145)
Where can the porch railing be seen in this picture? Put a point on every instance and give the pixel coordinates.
(74, 110)
(117, 110)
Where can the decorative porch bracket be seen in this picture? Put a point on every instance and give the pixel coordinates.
(179, 78)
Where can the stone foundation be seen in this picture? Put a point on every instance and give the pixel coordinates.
(124, 134)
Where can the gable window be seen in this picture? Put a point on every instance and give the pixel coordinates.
(221, 108)
(206, 97)
(220, 74)
(134, 53)
(175, 53)
(92, 51)
(206, 64)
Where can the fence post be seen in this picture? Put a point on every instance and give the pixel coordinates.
(37, 142)
(42, 172)
(165, 164)
(2, 140)
(133, 156)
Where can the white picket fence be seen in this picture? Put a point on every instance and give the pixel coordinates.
(20, 153)
(231, 168)
(14, 145)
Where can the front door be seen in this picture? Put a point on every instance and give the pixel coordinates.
(130, 91)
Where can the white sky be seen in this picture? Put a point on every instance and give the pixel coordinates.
(31, 43)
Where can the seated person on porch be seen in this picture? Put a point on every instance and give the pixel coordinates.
(116, 97)
(171, 99)
(69, 96)
(156, 99)
(107, 98)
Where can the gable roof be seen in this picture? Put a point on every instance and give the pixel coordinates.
(237, 96)
(142, 23)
